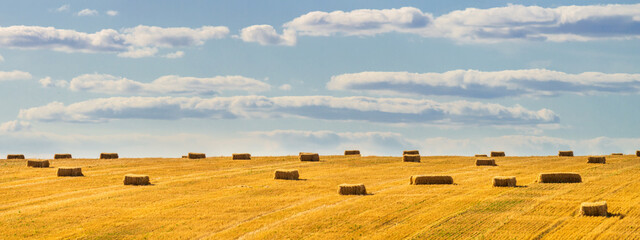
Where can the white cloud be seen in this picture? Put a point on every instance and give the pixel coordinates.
(177, 54)
(14, 75)
(169, 84)
(478, 84)
(1, 58)
(14, 126)
(112, 13)
(87, 12)
(48, 82)
(382, 110)
(267, 35)
(285, 87)
(63, 8)
(131, 42)
(138, 52)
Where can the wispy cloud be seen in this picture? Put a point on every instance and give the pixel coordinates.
(14, 126)
(63, 8)
(173, 55)
(112, 13)
(87, 12)
(14, 75)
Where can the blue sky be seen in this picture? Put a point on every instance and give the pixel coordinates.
(161, 78)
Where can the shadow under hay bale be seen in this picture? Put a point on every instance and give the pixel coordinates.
(70, 172)
(559, 178)
(109, 156)
(430, 179)
(497, 154)
(287, 174)
(38, 163)
(594, 209)
(486, 162)
(351, 152)
(309, 157)
(565, 153)
(411, 158)
(15, 156)
(502, 181)
(62, 156)
(352, 189)
(412, 152)
(136, 179)
(596, 160)
(481, 155)
(241, 156)
(196, 155)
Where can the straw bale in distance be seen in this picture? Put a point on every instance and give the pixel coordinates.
(565, 153)
(351, 152)
(481, 155)
(617, 154)
(596, 160)
(70, 172)
(135, 179)
(241, 156)
(311, 157)
(497, 154)
(352, 189)
(485, 162)
(410, 152)
(559, 178)
(286, 174)
(109, 156)
(637, 153)
(430, 179)
(15, 156)
(502, 181)
(594, 209)
(62, 156)
(185, 156)
(38, 163)
(196, 155)
(411, 158)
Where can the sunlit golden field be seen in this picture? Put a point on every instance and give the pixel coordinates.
(220, 198)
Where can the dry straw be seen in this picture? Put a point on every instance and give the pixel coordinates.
(62, 156)
(135, 179)
(617, 154)
(352, 189)
(565, 153)
(405, 152)
(38, 163)
(70, 172)
(497, 154)
(485, 162)
(594, 209)
(108, 156)
(430, 179)
(287, 174)
(196, 155)
(351, 152)
(241, 156)
(311, 157)
(596, 160)
(411, 158)
(502, 181)
(15, 156)
(559, 178)
(481, 155)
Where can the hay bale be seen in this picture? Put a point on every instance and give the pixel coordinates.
(497, 154)
(136, 179)
(38, 163)
(430, 179)
(481, 155)
(185, 156)
(62, 156)
(70, 172)
(412, 152)
(559, 178)
(241, 156)
(596, 160)
(196, 155)
(637, 153)
(15, 156)
(565, 153)
(411, 158)
(594, 209)
(485, 162)
(310, 157)
(617, 154)
(352, 189)
(287, 174)
(501, 181)
(351, 152)
(109, 156)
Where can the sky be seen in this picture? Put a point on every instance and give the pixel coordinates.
(163, 78)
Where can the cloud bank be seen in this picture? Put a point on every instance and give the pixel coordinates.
(14, 75)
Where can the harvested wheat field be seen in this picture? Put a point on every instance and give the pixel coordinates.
(219, 198)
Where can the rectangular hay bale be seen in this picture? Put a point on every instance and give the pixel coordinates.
(70, 172)
(109, 156)
(241, 156)
(565, 153)
(136, 179)
(601, 159)
(287, 174)
(486, 162)
(352, 189)
(411, 158)
(504, 181)
(497, 154)
(38, 163)
(15, 156)
(196, 155)
(559, 178)
(410, 152)
(351, 152)
(430, 179)
(594, 209)
(617, 154)
(309, 157)
(637, 153)
(62, 156)
(481, 155)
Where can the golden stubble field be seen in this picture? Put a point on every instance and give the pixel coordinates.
(220, 198)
